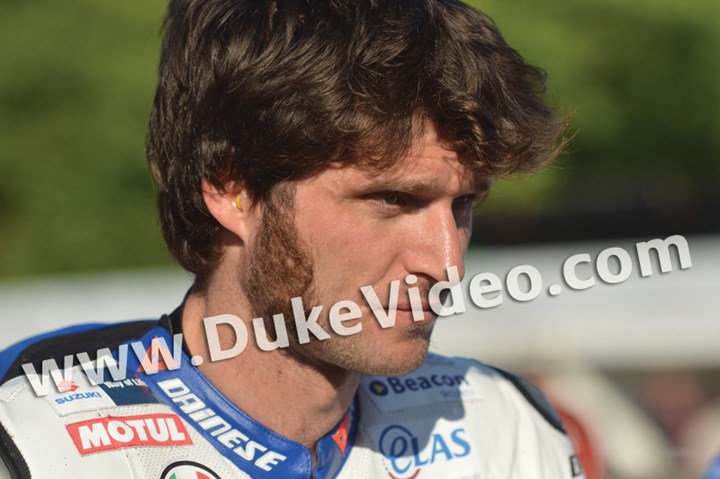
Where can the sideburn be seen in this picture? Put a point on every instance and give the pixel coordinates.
(281, 267)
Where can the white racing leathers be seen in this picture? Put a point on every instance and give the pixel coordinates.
(450, 419)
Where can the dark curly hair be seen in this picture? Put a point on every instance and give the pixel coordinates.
(265, 91)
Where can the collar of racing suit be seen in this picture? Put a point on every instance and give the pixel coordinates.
(253, 448)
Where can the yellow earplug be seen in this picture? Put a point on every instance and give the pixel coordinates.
(238, 201)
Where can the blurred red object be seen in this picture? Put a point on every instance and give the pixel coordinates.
(585, 446)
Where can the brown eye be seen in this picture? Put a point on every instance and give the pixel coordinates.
(395, 202)
(391, 198)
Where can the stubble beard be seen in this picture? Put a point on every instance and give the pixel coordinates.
(281, 268)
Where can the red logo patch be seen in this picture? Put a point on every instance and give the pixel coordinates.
(65, 386)
(156, 357)
(120, 432)
(341, 435)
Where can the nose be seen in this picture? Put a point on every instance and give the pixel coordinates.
(440, 243)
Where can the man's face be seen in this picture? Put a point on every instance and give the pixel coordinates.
(353, 228)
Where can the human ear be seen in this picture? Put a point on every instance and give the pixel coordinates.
(230, 206)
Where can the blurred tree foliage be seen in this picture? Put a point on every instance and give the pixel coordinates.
(77, 78)
(641, 79)
(76, 83)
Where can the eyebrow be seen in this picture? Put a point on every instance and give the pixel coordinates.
(480, 187)
(410, 187)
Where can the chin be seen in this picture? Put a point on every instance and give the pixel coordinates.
(392, 359)
(380, 354)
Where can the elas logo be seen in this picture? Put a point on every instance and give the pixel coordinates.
(109, 433)
(407, 454)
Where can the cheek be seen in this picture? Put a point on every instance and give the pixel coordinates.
(351, 244)
(347, 254)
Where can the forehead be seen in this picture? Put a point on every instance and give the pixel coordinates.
(428, 170)
(428, 165)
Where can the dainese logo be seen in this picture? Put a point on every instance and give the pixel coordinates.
(188, 470)
(408, 454)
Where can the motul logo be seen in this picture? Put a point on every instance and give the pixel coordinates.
(109, 433)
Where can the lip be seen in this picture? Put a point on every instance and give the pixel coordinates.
(426, 309)
(407, 314)
(406, 307)
(404, 313)
(409, 307)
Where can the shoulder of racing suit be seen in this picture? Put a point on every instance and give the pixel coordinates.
(67, 342)
(53, 346)
(78, 428)
(458, 418)
(451, 418)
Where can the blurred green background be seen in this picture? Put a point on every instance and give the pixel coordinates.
(640, 77)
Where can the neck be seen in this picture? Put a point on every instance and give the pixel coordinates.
(297, 399)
